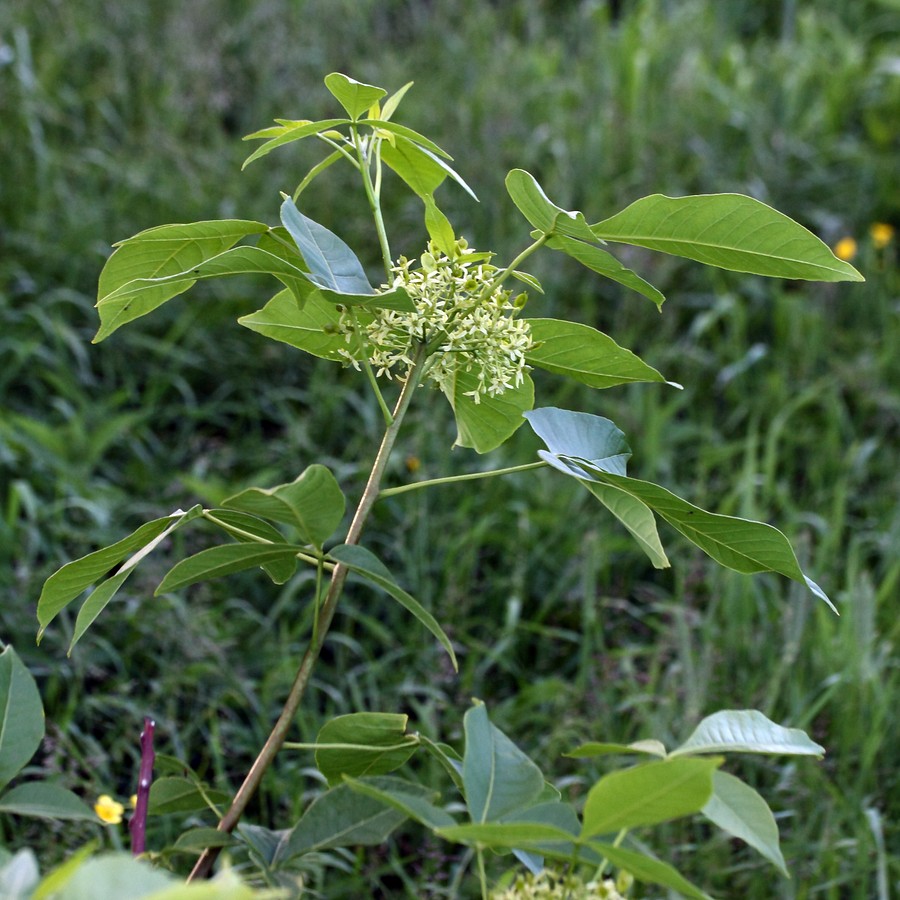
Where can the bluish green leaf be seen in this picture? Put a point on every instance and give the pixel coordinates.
(585, 354)
(355, 96)
(648, 794)
(21, 716)
(605, 264)
(365, 743)
(738, 809)
(342, 817)
(746, 731)
(142, 295)
(486, 425)
(216, 562)
(287, 133)
(245, 527)
(365, 563)
(498, 777)
(415, 807)
(313, 503)
(647, 869)
(312, 327)
(597, 748)
(730, 231)
(72, 579)
(547, 217)
(45, 801)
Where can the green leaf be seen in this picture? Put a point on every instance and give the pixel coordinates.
(596, 748)
(730, 231)
(389, 107)
(216, 562)
(242, 526)
(95, 603)
(585, 354)
(288, 133)
(312, 327)
(313, 503)
(196, 840)
(355, 96)
(402, 131)
(106, 876)
(498, 777)
(179, 795)
(580, 436)
(648, 794)
(636, 516)
(45, 801)
(505, 834)
(439, 228)
(415, 807)
(22, 716)
(416, 167)
(365, 563)
(342, 817)
(67, 583)
(486, 425)
(738, 809)
(647, 869)
(746, 731)
(371, 744)
(547, 217)
(605, 264)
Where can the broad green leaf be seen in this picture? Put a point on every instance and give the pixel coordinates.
(169, 250)
(177, 795)
(547, 217)
(95, 603)
(498, 777)
(647, 794)
(584, 436)
(45, 801)
(355, 96)
(245, 527)
(342, 817)
(647, 869)
(636, 516)
(286, 134)
(485, 425)
(597, 748)
(605, 264)
(363, 744)
(746, 731)
(67, 583)
(364, 563)
(585, 354)
(313, 503)
(21, 716)
(439, 228)
(313, 328)
(420, 809)
(738, 809)
(505, 834)
(730, 231)
(416, 167)
(196, 840)
(332, 264)
(216, 562)
(142, 295)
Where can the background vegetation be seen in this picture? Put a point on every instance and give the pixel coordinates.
(120, 116)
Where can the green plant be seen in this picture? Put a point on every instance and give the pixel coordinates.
(450, 318)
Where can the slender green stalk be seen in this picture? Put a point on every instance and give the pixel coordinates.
(367, 367)
(280, 730)
(451, 479)
(290, 745)
(531, 248)
(374, 205)
(482, 875)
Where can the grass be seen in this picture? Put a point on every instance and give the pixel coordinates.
(130, 116)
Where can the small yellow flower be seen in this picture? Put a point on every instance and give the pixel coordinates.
(133, 801)
(882, 234)
(108, 810)
(845, 249)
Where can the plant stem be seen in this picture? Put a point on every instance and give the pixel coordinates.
(374, 205)
(279, 732)
(493, 285)
(482, 875)
(451, 479)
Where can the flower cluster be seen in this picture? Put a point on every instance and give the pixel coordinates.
(466, 323)
(550, 885)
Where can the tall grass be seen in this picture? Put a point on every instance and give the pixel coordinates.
(118, 117)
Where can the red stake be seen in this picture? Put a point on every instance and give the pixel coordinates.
(138, 824)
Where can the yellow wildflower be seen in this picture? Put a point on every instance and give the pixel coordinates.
(845, 249)
(133, 801)
(108, 810)
(882, 234)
